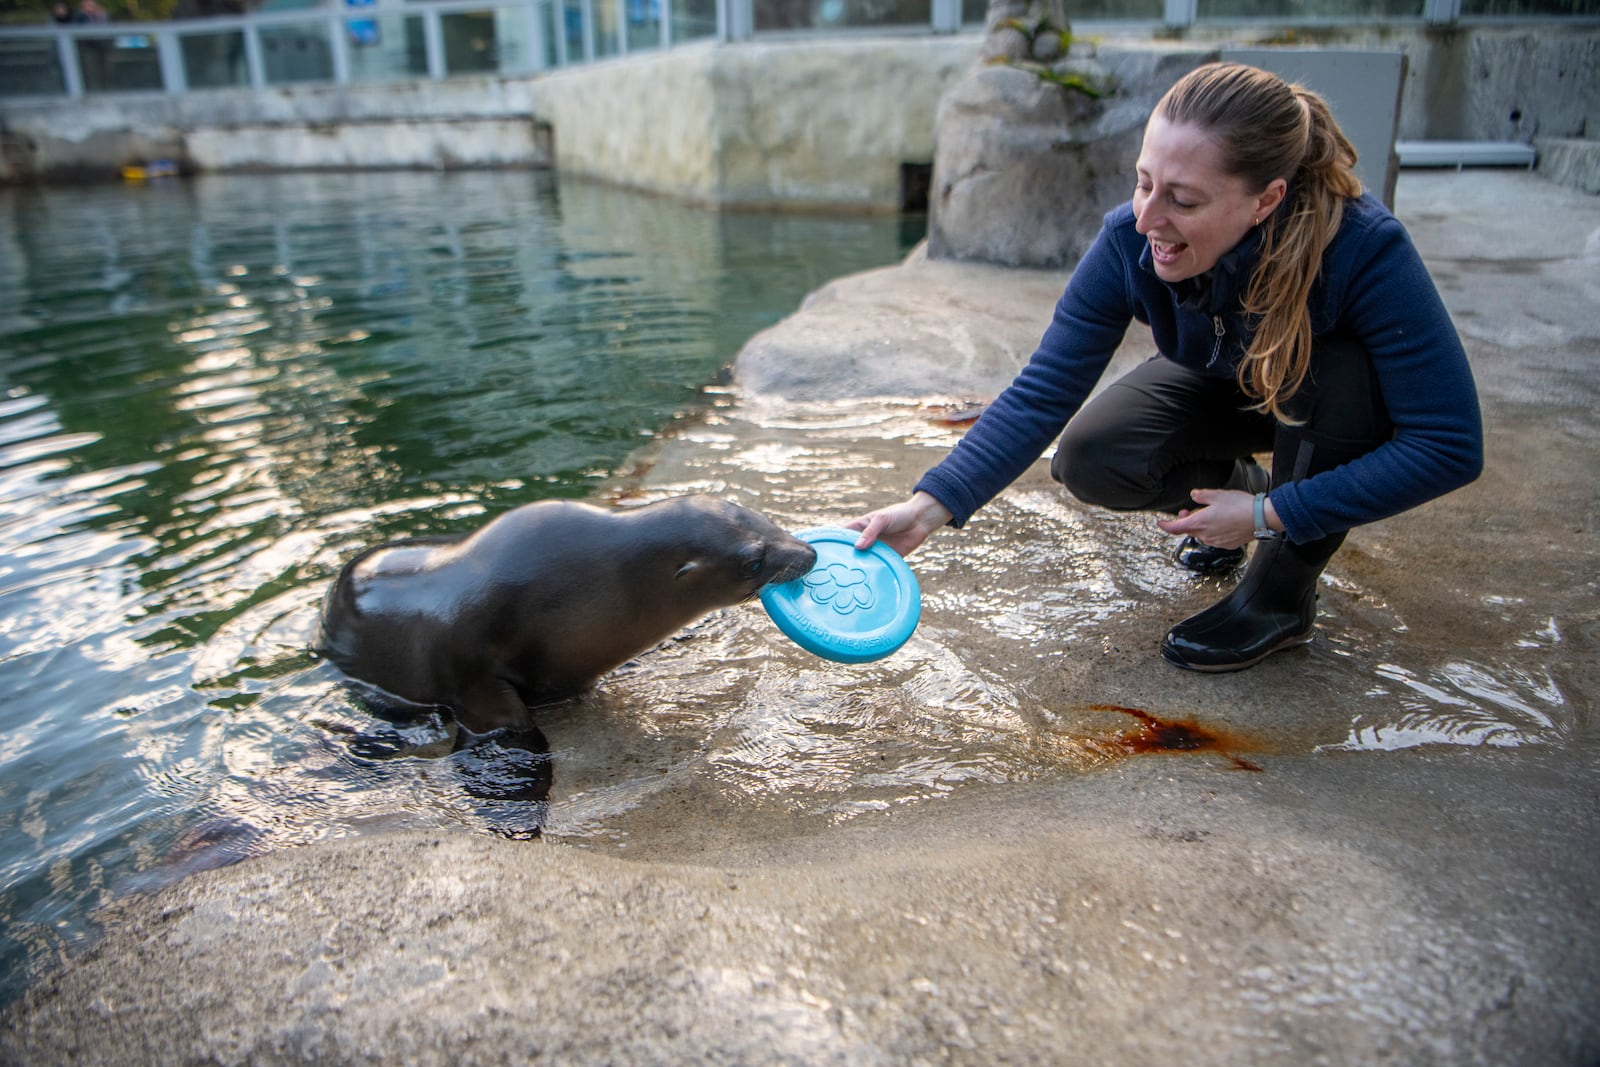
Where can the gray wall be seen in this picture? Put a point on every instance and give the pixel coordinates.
(1472, 82)
(820, 123)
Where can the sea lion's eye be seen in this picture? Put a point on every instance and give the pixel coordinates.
(751, 568)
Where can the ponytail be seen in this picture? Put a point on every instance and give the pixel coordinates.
(1266, 128)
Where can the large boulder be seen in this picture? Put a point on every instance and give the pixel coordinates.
(1026, 166)
(918, 329)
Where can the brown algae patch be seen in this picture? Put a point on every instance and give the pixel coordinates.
(1174, 735)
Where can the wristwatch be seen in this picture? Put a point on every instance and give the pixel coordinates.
(1263, 531)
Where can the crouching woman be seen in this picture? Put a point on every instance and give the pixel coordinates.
(1291, 314)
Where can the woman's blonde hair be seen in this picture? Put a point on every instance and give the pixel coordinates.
(1266, 128)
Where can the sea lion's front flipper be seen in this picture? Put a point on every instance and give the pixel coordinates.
(509, 772)
(491, 704)
(511, 765)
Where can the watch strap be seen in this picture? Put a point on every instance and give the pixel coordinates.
(1263, 531)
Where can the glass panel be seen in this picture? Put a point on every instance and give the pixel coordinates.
(470, 44)
(833, 14)
(607, 27)
(514, 53)
(976, 12)
(387, 48)
(547, 21)
(1300, 9)
(1117, 9)
(644, 24)
(362, 32)
(786, 14)
(29, 67)
(297, 52)
(693, 19)
(1530, 7)
(572, 27)
(214, 60)
(125, 63)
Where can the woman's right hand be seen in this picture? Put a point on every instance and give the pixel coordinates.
(904, 526)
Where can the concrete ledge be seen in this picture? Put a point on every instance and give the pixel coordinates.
(460, 122)
(1571, 162)
(1460, 154)
(445, 144)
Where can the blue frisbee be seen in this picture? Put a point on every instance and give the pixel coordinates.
(851, 607)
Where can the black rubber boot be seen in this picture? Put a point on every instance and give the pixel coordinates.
(1273, 607)
(1338, 414)
(1194, 554)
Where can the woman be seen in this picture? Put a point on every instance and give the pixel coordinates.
(1292, 315)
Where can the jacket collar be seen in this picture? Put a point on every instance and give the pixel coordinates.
(1219, 289)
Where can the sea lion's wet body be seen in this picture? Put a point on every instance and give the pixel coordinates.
(540, 602)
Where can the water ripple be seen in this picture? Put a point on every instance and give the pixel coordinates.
(1462, 703)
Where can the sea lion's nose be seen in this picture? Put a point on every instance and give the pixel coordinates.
(802, 557)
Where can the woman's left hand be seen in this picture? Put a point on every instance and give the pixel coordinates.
(1225, 519)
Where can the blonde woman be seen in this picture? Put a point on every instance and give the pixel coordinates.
(1292, 315)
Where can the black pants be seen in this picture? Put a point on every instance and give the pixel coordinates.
(1161, 431)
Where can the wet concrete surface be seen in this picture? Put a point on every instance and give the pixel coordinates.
(1022, 838)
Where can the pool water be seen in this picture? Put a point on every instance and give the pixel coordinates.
(214, 391)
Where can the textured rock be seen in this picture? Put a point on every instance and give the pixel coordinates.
(1024, 169)
(1570, 161)
(916, 330)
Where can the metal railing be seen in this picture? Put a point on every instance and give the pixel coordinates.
(372, 41)
(433, 39)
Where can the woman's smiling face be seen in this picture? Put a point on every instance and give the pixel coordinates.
(1192, 210)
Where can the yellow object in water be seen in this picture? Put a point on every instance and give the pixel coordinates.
(160, 168)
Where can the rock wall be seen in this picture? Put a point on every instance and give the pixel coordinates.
(1501, 83)
(1476, 82)
(1026, 168)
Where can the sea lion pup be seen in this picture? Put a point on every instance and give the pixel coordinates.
(543, 600)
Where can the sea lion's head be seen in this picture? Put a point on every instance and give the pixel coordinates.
(732, 551)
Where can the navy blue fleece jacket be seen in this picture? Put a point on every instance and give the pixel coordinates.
(1372, 287)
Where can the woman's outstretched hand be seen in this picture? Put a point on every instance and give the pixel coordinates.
(1225, 519)
(904, 526)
